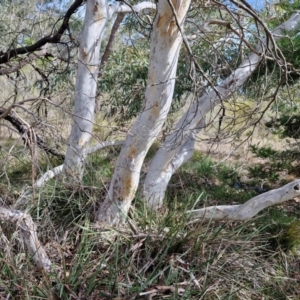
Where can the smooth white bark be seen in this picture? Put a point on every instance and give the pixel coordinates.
(166, 40)
(250, 208)
(95, 20)
(161, 168)
(28, 235)
(98, 12)
(125, 8)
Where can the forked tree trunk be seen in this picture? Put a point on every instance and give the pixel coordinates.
(169, 157)
(97, 14)
(165, 45)
(95, 20)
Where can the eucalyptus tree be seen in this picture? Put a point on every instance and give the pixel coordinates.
(222, 49)
(179, 145)
(166, 39)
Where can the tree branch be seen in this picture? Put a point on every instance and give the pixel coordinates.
(104, 144)
(126, 8)
(52, 39)
(25, 134)
(250, 208)
(28, 235)
(59, 169)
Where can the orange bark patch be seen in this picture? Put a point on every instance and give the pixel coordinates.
(160, 21)
(155, 111)
(132, 151)
(128, 189)
(84, 53)
(81, 142)
(172, 26)
(166, 24)
(92, 69)
(151, 78)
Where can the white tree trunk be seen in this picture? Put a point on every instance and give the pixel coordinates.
(165, 45)
(95, 20)
(96, 16)
(169, 155)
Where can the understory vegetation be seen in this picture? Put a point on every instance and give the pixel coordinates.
(156, 255)
(122, 123)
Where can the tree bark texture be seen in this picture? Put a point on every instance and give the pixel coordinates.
(98, 12)
(166, 40)
(169, 157)
(95, 20)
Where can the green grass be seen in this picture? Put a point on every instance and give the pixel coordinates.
(156, 255)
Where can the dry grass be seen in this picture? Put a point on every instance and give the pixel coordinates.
(156, 256)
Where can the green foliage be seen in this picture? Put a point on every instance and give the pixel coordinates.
(215, 181)
(286, 123)
(125, 79)
(269, 72)
(283, 227)
(274, 163)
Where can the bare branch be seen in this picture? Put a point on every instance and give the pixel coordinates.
(57, 170)
(47, 176)
(250, 208)
(52, 39)
(24, 130)
(110, 43)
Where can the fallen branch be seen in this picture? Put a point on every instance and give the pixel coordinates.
(47, 176)
(28, 235)
(250, 208)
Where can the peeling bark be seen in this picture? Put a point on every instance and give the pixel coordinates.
(161, 168)
(250, 208)
(166, 40)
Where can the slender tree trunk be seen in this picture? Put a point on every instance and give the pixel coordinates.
(165, 45)
(168, 158)
(108, 49)
(86, 84)
(110, 43)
